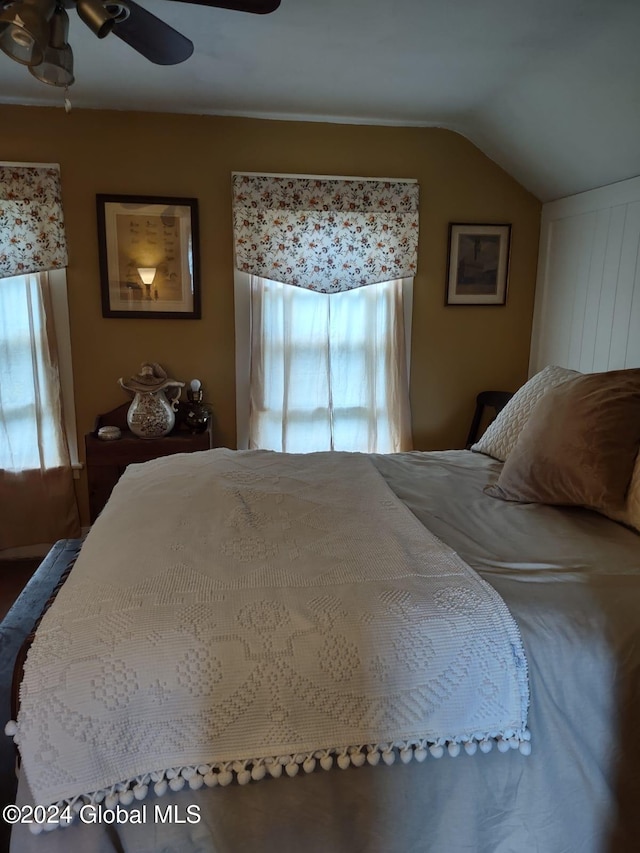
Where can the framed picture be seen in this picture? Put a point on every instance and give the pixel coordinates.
(478, 267)
(149, 257)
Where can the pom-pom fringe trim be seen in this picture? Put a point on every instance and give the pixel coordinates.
(254, 769)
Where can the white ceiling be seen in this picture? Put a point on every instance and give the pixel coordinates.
(550, 89)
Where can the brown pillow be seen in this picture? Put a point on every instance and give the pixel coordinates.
(578, 446)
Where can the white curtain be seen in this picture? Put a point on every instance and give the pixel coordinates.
(328, 371)
(36, 483)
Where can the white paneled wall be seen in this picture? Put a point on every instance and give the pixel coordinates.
(587, 311)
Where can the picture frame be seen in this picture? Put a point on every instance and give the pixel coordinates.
(478, 264)
(149, 257)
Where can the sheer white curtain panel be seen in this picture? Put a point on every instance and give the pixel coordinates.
(36, 481)
(328, 371)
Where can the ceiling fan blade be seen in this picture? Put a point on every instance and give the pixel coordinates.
(151, 37)
(258, 7)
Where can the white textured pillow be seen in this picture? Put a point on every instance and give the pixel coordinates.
(500, 436)
(633, 497)
(631, 513)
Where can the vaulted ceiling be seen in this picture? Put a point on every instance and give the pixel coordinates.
(550, 89)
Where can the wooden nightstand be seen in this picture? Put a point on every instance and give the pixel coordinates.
(107, 460)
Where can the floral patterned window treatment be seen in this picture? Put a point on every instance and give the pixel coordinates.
(32, 235)
(325, 234)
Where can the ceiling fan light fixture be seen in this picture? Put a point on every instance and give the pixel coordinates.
(24, 30)
(56, 68)
(99, 20)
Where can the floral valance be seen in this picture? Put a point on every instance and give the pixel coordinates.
(325, 234)
(31, 223)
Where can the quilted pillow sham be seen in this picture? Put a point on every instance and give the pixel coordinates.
(501, 435)
(579, 445)
(631, 513)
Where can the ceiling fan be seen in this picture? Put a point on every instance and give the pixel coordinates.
(35, 32)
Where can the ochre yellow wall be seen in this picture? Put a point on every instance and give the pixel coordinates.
(456, 351)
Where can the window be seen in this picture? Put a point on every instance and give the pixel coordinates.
(328, 371)
(37, 493)
(29, 400)
(327, 366)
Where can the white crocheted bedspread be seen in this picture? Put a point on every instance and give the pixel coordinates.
(234, 614)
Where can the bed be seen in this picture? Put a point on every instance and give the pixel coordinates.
(570, 578)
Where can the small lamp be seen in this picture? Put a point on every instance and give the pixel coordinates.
(198, 414)
(147, 274)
